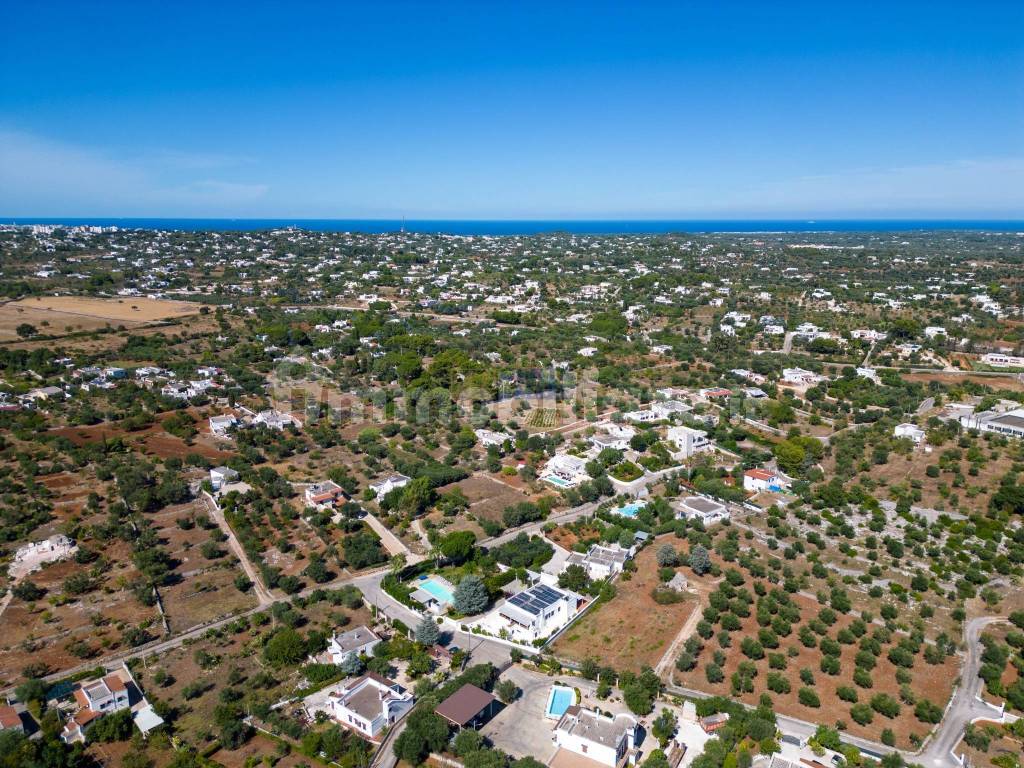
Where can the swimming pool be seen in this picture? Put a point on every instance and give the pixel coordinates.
(631, 509)
(437, 589)
(556, 480)
(560, 699)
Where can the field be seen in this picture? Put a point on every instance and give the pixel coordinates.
(631, 630)
(56, 315)
(929, 682)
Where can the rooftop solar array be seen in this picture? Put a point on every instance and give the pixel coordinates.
(536, 599)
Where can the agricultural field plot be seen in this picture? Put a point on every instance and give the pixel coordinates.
(153, 440)
(55, 315)
(631, 630)
(797, 639)
(488, 498)
(937, 492)
(45, 633)
(544, 418)
(204, 590)
(211, 663)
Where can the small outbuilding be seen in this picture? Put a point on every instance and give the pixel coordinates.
(468, 707)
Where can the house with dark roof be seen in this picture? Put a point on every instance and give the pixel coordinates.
(468, 707)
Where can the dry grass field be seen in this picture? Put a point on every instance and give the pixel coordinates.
(55, 315)
(631, 630)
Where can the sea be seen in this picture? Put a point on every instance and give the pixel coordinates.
(505, 227)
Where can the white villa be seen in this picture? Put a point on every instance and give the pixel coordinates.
(488, 438)
(911, 431)
(534, 613)
(600, 561)
(369, 704)
(800, 377)
(757, 480)
(360, 641)
(220, 476)
(219, 425)
(276, 420)
(565, 470)
(388, 484)
(707, 511)
(689, 440)
(602, 738)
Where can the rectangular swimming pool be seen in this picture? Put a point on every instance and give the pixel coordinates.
(437, 589)
(559, 699)
(555, 480)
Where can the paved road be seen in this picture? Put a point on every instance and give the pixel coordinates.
(787, 344)
(926, 405)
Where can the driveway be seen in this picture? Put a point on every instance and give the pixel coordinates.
(521, 728)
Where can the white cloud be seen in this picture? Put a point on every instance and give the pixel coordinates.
(40, 177)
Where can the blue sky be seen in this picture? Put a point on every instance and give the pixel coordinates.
(481, 110)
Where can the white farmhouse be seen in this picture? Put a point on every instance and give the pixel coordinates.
(707, 511)
(565, 470)
(689, 441)
(535, 613)
(388, 484)
(370, 704)
(602, 738)
(911, 431)
(600, 562)
(360, 641)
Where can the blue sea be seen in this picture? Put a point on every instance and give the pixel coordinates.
(499, 227)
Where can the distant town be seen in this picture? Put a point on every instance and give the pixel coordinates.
(307, 498)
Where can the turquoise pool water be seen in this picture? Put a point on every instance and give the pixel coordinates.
(631, 509)
(555, 480)
(437, 589)
(559, 700)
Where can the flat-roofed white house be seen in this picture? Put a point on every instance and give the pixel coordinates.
(707, 511)
(369, 704)
(641, 417)
(565, 470)
(611, 435)
(689, 440)
(910, 431)
(221, 425)
(605, 739)
(388, 484)
(220, 476)
(800, 377)
(276, 420)
(665, 408)
(360, 641)
(600, 561)
(536, 612)
(488, 438)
